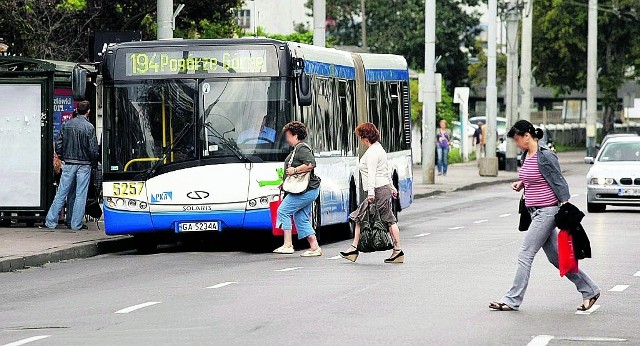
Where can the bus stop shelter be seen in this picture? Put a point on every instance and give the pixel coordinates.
(26, 139)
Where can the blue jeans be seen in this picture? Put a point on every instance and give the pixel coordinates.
(79, 175)
(297, 206)
(443, 159)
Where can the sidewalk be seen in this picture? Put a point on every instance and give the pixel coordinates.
(22, 247)
(465, 176)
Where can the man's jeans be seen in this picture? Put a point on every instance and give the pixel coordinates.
(80, 175)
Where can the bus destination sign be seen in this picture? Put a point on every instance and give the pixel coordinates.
(199, 62)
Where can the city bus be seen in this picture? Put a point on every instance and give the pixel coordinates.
(192, 136)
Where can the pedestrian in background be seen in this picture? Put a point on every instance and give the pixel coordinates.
(77, 147)
(443, 137)
(380, 190)
(545, 189)
(298, 205)
(477, 141)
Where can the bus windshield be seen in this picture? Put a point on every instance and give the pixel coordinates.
(178, 120)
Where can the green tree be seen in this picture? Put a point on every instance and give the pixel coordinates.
(478, 70)
(397, 27)
(444, 110)
(305, 36)
(560, 47)
(59, 29)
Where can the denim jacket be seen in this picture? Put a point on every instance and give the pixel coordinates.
(550, 169)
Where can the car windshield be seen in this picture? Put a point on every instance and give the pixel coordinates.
(620, 151)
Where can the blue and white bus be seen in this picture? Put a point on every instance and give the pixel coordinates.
(191, 131)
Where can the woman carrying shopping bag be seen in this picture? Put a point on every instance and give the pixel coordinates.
(301, 187)
(545, 190)
(377, 183)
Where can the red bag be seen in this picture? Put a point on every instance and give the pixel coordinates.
(273, 206)
(567, 262)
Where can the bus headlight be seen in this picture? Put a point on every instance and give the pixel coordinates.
(119, 202)
(253, 203)
(264, 201)
(132, 203)
(110, 202)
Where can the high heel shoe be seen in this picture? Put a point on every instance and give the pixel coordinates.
(398, 258)
(351, 255)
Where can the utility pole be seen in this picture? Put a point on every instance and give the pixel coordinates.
(489, 164)
(525, 69)
(363, 25)
(592, 77)
(319, 22)
(511, 163)
(429, 105)
(167, 18)
(165, 22)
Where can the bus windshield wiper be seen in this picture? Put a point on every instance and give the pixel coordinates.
(229, 144)
(152, 170)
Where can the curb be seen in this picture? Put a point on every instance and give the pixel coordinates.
(462, 188)
(81, 250)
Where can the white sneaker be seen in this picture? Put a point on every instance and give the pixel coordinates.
(284, 250)
(309, 253)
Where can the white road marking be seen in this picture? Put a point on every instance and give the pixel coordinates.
(619, 288)
(223, 284)
(421, 235)
(636, 274)
(289, 269)
(27, 340)
(575, 195)
(335, 257)
(540, 340)
(455, 228)
(135, 307)
(588, 312)
(504, 215)
(591, 339)
(480, 221)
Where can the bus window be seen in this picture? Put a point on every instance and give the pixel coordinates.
(246, 114)
(154, 120)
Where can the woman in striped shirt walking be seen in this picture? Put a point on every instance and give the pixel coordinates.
(545, 189)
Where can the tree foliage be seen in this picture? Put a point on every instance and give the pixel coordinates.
(444, 110)
(397, 27)
(60, 29)
(560, 47)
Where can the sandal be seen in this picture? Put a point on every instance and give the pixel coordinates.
(500, 306)
(592, 302)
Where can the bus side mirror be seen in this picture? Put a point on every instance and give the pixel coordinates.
(304, 90)
(79, 83)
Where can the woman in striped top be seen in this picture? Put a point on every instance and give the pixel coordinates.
(545, 189)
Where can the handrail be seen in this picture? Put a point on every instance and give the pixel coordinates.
(146, 159)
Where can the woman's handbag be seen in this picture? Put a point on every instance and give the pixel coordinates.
(297, 183)
(525, 217)
(273, 207)
(374, 234)
(567, 262)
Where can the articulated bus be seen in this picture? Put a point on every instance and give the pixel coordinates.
(192, 131)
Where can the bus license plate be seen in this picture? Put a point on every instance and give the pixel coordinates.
(197, 226)
(628, 192)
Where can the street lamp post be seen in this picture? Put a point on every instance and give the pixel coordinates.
(511, 161)
(429, 105)
(592, 76)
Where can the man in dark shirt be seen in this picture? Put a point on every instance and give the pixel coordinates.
(77, 146)
(478, 141)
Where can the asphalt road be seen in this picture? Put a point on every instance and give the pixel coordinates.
(460, 254)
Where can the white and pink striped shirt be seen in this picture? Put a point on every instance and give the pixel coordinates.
(537, 192)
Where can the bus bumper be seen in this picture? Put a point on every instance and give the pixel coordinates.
(118, 222)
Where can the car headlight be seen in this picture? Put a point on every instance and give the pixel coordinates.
(603, 181)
